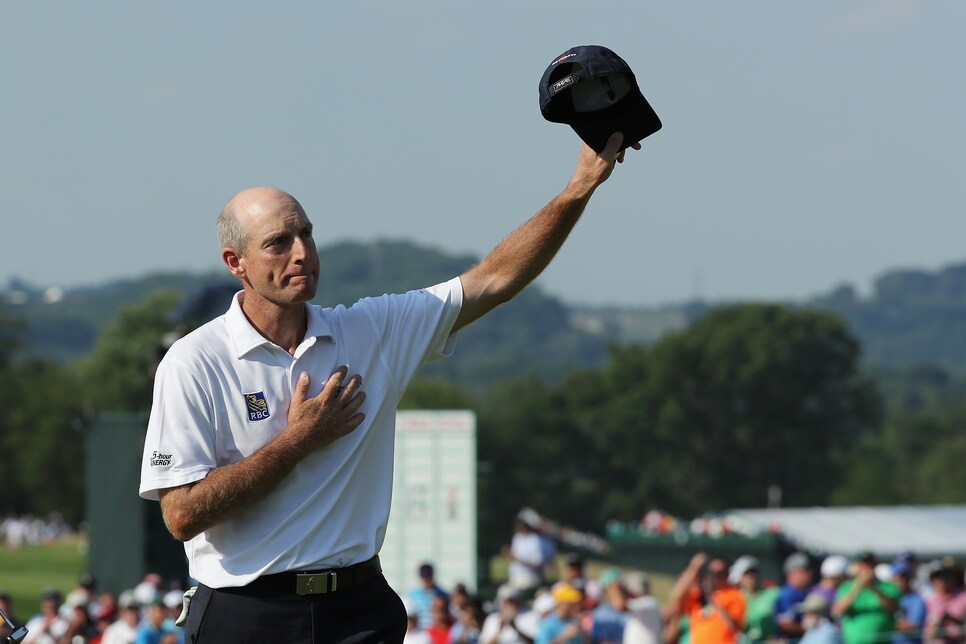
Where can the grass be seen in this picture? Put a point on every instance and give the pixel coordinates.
(27, 571)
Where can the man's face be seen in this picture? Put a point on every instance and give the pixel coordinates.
(799, 577)
(280, 262)
(157, 614)
(718, 573)
(749, 580)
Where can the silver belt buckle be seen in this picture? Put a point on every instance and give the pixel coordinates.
(317, 583)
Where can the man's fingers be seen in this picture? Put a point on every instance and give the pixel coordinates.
(333, 385)
(609, 153)
(355, 403)
(301, 387)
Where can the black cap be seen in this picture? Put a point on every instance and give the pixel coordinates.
(594, 91)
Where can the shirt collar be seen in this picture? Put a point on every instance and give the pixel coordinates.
(246, 337)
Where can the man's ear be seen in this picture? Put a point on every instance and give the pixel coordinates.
(234, 262)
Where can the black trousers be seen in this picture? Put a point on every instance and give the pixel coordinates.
(371, 613)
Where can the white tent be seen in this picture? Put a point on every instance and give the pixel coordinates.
(927, 530)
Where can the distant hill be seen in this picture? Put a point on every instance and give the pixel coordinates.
(911, 317)
(530, 336)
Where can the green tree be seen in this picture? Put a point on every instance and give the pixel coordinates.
(759, 395)
(435, 393)
(748, 397)
(45, 435)
(10, 329)
(118, 372)
(915, 459)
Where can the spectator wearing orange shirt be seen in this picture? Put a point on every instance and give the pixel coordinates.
(716, 608)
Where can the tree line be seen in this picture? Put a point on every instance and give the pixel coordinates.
(748, 397)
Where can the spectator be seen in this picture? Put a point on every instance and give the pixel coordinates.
(911, 617)
(920, 585)
(173, 604)
(611, 616)
(459, 600)
(548, 549)
(645, 625)
(946, 607)
(501, 626)
(562, 625)
(573, 574)
(526, 554)
(414, 633)
(543, 606)
(798, 578)
(716, 611)
(157, 629)
(759, 602)
(865, 605)
(818, 628)
(79, 623)
(686, 588)
(467, 629)
(442, 620)
(105, 607)
(423, 595)
(833, 571)
(48, 626)
(124, 630)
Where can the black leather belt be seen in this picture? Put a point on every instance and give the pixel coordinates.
(317, 582)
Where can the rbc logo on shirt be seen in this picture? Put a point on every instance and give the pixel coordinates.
(257, 406)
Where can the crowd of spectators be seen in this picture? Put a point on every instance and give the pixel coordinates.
(145, 614)
(29, 530)
(835, 600)
(613, 607)
(853, 601)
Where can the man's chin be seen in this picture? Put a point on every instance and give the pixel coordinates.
(303, 288)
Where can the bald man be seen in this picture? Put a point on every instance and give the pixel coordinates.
(270, 441)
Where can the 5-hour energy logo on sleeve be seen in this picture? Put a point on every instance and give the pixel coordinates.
(159, 460)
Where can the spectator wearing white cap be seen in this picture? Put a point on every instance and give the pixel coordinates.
(526, 555)
(833, 572)
(798, 578)
(501, 626)
(759, 602)
(645, 625)
(124, 630)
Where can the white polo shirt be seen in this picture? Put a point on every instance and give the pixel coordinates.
(223, 391)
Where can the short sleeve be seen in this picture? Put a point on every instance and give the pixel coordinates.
(179, 447)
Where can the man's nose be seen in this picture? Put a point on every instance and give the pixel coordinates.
(300, 249)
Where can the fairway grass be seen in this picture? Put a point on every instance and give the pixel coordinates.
(27, 571)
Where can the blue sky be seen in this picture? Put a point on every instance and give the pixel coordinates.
(804, 145)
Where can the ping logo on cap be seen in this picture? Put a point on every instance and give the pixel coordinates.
(562, 83)
(257, 406)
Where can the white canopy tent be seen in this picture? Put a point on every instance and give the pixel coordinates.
(927, 530)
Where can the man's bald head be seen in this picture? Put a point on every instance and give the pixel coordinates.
(251, 202)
